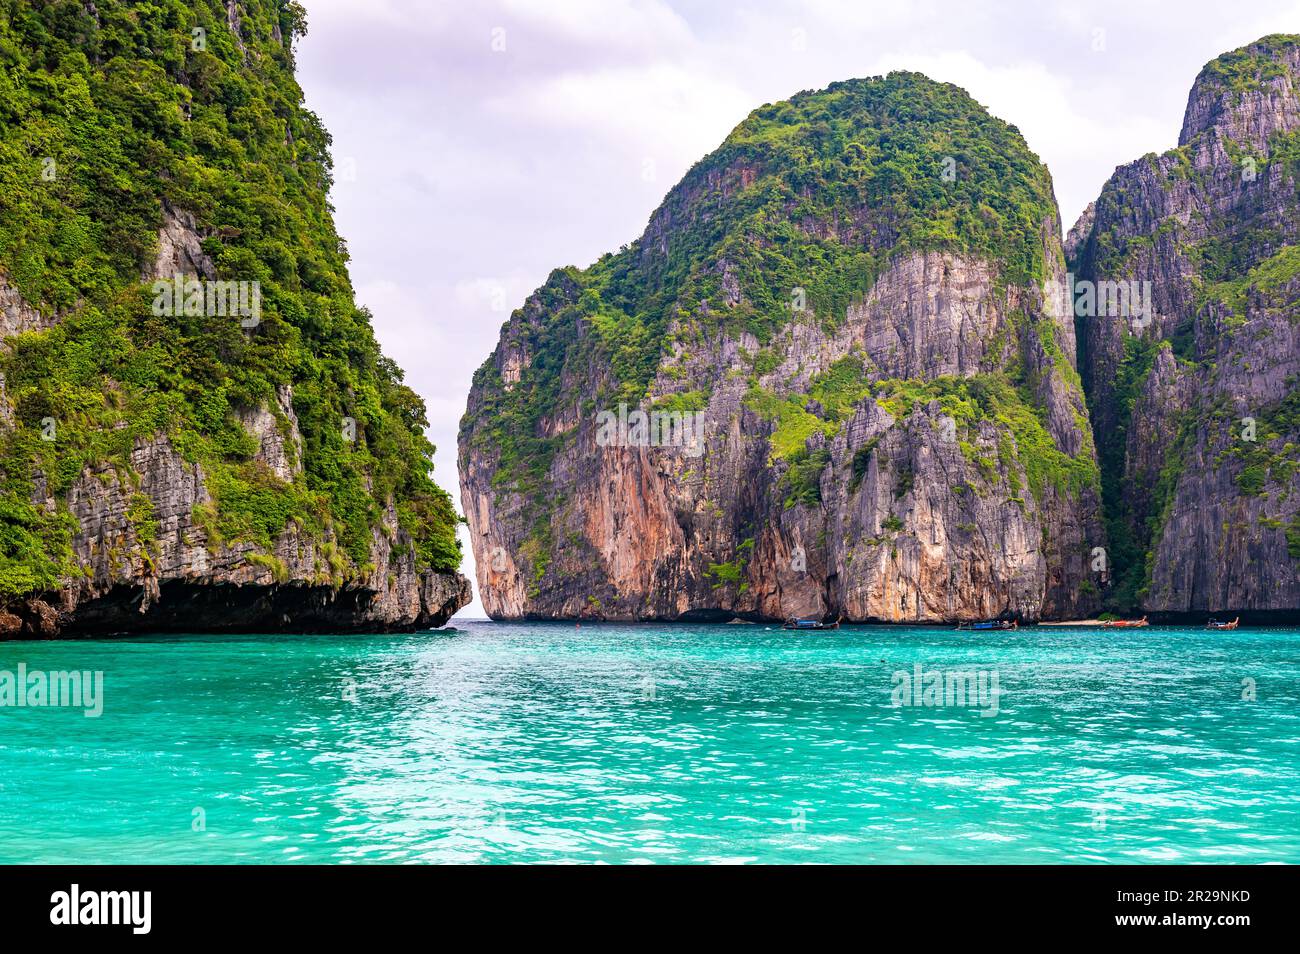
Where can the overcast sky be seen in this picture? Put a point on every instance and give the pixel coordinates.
(479, 144)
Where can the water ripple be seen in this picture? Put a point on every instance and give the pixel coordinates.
(651, 744)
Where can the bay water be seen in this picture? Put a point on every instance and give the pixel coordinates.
(540, 742)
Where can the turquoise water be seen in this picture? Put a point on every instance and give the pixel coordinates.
(546, 743)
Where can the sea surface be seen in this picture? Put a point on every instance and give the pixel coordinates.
(495, 742)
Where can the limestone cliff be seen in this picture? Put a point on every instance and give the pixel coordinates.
(849, 332)
(1196, 406)
(238, 456)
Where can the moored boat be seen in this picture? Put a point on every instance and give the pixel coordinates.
(987, 624)
(810, 624)
(1216, 624)
(1124, 623)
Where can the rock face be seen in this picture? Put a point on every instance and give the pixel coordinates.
(16, 315)
(177, 578)
(855, 348)
(180, 248)
(165, 464)
(1196, 406)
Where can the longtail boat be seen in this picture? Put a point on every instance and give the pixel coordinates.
(1125, 623)
(810, 624)
(1215, 624)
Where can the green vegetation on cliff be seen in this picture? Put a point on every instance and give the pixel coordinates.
(109, 114)
(997, 398)
(1244, 69)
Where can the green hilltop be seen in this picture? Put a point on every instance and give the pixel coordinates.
(821, 193)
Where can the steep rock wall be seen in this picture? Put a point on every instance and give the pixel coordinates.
(902, 439)
(1197, 412)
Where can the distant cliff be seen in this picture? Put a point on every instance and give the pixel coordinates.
(1196, 406)
(197, 428)
(835, 377)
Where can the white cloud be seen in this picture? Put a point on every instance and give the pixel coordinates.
(344, 16)
(638, 25)
(664, 110)
(499, 295)
(845, 17)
